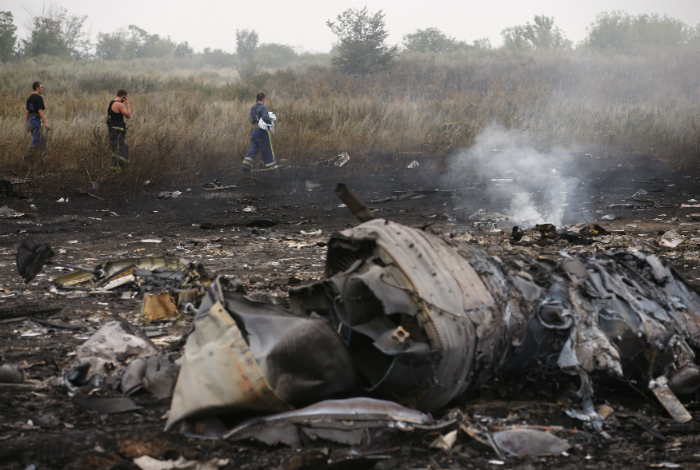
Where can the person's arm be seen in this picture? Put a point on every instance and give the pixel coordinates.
(265, 116)
(125, 110)
(43, 118)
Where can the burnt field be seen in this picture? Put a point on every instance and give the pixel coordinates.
(271, 234)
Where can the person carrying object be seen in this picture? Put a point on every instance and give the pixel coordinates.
(260, 137)
(118, 109)
(36, 116)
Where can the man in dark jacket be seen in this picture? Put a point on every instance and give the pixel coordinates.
(260, 138)
(36, 117)
(118, 109)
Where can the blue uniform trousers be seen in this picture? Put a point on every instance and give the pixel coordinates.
(260, 141)
(36, 128)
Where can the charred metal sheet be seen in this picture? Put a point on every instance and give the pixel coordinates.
(352, 422)
(245, 355)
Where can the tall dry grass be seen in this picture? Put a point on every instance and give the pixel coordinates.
(189, 118)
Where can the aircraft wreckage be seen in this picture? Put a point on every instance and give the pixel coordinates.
(405, 321)
(408, 316)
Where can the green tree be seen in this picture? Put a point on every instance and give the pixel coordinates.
(619, 32)
(483, 44)
(183, 49)
(110, 46)
(219, 58)
(541, 34)
(246, 46)
(431, 40)
(362, 48)
(55, 32)
(141, 45)
(694, 39)
(275, 55)
(7, 36)
(246, 43)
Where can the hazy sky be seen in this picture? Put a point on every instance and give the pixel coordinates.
(213, 23)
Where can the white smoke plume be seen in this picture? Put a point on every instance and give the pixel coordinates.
(539, 192)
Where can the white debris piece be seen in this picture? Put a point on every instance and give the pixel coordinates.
(445, 442)
(152, 240)
(9, 213)
(343, 158)
(413, 164)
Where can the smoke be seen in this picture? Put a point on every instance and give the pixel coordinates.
(527, 185)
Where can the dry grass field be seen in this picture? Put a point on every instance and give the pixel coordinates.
(190, 117)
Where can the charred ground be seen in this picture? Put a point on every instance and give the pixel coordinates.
(266, 248)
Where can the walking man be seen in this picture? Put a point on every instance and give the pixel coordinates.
(36, 116)
(260, 138)
(118, 109)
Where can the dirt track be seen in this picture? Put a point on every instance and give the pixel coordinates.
(45, 428)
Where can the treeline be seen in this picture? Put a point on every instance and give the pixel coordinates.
(55, 32)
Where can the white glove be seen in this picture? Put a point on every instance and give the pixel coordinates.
(272, 116)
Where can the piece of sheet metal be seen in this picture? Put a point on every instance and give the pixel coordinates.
(349, 421)
(247, 356)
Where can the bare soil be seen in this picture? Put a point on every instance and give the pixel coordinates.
(45, 428)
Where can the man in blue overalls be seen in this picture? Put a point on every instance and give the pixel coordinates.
(261, 120)
(36, 118)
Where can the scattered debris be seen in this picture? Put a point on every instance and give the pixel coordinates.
(149, 463)
(313, 233)
(216, 185)
(671, 239)
(310, 185)
(445, 442)
(667, 398)
(338, 160)
(7, 213)
(529, 442)
(11, 374)
(159, 307)
(105, 354)
(172, 194)
(85, 193)
(608, 217)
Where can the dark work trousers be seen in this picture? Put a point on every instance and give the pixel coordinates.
(118, 144)
(36, 127)
(260, 141)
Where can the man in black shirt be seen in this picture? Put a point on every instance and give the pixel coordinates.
(36, 117)
(118, 109)
(260, 140)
